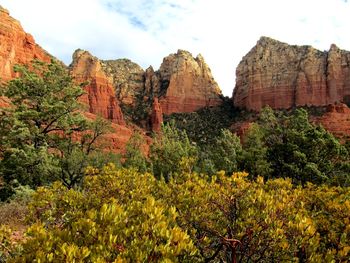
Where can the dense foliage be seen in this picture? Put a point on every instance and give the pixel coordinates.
(172, 152)
(291, 146)
(126, 216)
(279, 144)
(44, 137)
(205, 124)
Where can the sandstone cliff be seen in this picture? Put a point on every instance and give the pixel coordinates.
(186, 84)
(336, 120)
(182, 84)
(100, 96)
(16, 46)
(284, 76)
(157, 116)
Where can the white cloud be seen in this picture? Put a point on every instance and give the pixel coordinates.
(145, 31)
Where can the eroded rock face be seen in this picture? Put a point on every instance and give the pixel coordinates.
(336, 120)
(127, 78)
(182, 84)
(284, 76)
(338, 75)
(100, 95)
(152, 82)
(186, 84)
(157, 116)
(16, 46)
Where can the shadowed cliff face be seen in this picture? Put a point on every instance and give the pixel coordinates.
(156, 116)
(16, 46)
(284, 76)
(100, 96)
(127, 78)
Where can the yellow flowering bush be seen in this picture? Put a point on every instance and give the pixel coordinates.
(126, 216)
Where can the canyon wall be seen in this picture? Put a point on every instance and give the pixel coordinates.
(16, 46)
(100, 96)
(186, 84)
(285, 76)
(182, 84)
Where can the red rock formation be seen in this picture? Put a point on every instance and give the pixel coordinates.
(157, 116)
(100, 96)
(338, 75)
(152, 82)
(183, 83)
(336, 120)
(186, 83)
(16, 46)
(116, 140)
(283, 76)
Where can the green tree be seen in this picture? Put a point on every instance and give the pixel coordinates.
(254, 156)
(301, 150)
(172, 152)
(37, 129)
(225, 151)
(78, 149)
(134, 158)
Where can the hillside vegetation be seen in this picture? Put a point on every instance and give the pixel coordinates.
(202, 194)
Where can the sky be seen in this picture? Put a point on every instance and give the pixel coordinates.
(146, 31)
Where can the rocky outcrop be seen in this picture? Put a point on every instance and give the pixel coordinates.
(115, 140)
(186, 84)
(336, 120)
(100, 95)
(182, 84)
(338, 75)
(284, 76)
(127, 78)
(156, 116)
(16, 46)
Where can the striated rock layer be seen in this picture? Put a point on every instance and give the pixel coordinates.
(100, 96)
(284, 76)
(19, 47)
(182, 84)
(336, 120)
(16, 46)
(186, 84)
